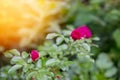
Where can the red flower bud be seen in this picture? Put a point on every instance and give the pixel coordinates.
(34, 55)
(58, 77)
(81, 32)
(32, 78)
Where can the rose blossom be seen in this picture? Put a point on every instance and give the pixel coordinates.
(34, 55)
(81, 32)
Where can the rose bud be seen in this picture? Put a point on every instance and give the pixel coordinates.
(34, 55)
(58, 77)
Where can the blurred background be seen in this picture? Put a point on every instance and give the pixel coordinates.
(102, 16)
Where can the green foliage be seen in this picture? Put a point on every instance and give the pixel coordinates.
(56, 58)
(103, 17)
(4, 75)
(104, 63)
(117, 37)
(66, 58)
(71, 60)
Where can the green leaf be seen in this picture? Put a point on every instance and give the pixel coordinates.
(51, 62)
(96, 38)
(32, 66)
(86, 46)
(25, 54)
(65, 64)
(111, 72)
(14, 68)
(44, 71)
(30, 75)
(64, 46)
(15, 52)
(43, 59)
(51, 35)
(42, 76)
(29, 60)
(39, 64)
(67, 40)
(26, 67)
(116, 36)
(8, 54)
(66, 32)
(103, 61)
(59, 40)
(17, 60)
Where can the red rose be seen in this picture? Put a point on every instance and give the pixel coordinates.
(81, 32)
(34, 55)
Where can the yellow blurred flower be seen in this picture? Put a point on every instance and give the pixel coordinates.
(25, 22)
